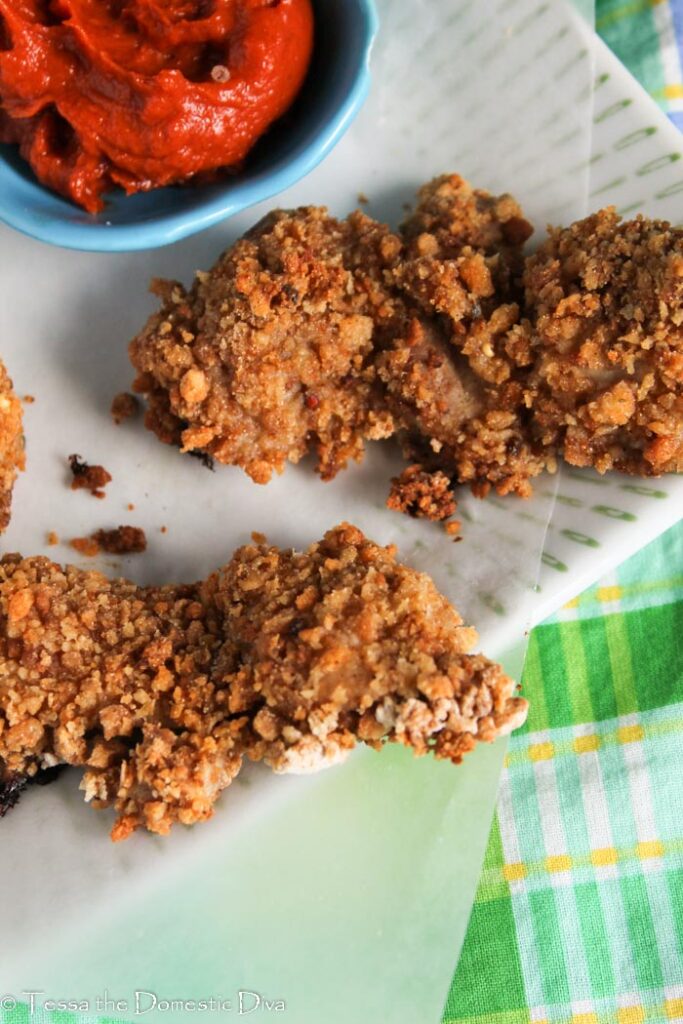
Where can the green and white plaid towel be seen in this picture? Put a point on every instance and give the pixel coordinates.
(647, 35)
(579, 914)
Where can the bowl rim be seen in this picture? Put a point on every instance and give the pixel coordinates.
(168, 228)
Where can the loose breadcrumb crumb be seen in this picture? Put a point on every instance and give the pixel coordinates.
(52, 538)
(88, 478)
(86, 546)
(422, 494)
(124, 540)
(123, 407)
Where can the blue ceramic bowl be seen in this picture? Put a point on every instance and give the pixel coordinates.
(334, 91)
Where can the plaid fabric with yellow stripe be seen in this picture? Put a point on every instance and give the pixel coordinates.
(648, 37)
(579, 914)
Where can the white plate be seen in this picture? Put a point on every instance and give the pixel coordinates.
(346, 895)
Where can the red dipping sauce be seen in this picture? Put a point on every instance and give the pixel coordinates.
(145, 93)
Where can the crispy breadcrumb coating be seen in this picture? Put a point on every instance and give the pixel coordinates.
(270, 353)
(290, 658)
(422, 495)
(454, 371)
(12, 456)
(314, 332)
(606, 298)
(456, 215)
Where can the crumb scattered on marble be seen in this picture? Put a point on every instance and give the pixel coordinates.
(88, 478)
(86, 546)
(123, 407)
(124, 540)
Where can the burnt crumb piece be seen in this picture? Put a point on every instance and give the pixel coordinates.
(47, 775)
(422, 494)
(123, 407)
(124, 540)
(12, 787)
(205, 459)
(88, 478)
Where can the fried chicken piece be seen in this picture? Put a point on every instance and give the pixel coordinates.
(159, 693)
(341, 643)
(12, 456)
(114, 678)
(454, 374)
(270, 353)
(606, 298)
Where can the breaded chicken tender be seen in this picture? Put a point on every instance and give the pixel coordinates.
(605, 297)
(452, 375)
(270, 353)
(159, 693)
(12, 457)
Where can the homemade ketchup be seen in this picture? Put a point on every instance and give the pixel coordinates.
(145, 93)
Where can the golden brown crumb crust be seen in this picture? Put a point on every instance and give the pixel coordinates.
(12, 455)
(454, 372)
(270, 353)
(606, 297)
(314, 332)
(291, 658)
(422, 495)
